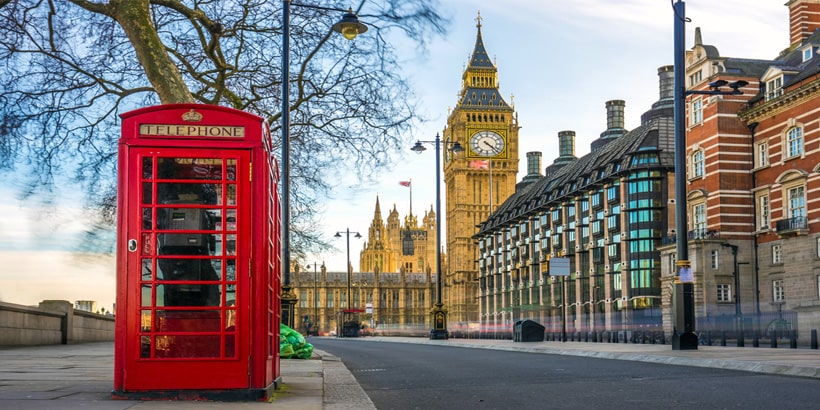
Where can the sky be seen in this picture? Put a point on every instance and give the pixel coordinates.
(558, 63)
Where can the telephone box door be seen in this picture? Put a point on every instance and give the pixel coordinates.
(187, 269)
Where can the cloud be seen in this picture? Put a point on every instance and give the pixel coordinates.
(28, 277)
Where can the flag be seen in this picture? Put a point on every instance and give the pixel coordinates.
(404, 183)
(480, 164)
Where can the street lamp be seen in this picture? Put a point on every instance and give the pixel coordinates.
(315, 301)
(439, 330)
(349, 26)
(349, 272)
(684, 337)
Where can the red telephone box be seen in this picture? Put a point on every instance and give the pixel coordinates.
(197, 256)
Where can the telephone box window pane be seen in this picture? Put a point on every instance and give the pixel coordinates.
(188, 219)
(231, 194)
(195, 321)
(230, 244)
(230, 270)
(186, 269)
(187, 346)
(145, 320)
(185, 243)
(147, 192)
(230, 318)
(146, 295)
(146, 269)
(216, 265)
(230, 219)
(189, 168)
(188, 294)
(188, 193)
(230, 169)
(147, 168)
(145, 347)
(146, 219)
(230, 346)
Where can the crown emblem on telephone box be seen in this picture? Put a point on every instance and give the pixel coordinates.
(192, 116)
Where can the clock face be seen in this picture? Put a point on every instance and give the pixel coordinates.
(487, 143)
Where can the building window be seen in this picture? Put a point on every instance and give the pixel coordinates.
(699, 219)
(762, 157)
(695, 78)
(763, 211)
(724, 293)
(697, 112)
(777, 291)
(697, 164)
(807, 53)
(673, 259)
(817, 246)
(797, 202)
(794, 142)
(714, 258)
(774, 88)
(777, 254)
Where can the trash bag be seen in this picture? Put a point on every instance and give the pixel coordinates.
(292, 345)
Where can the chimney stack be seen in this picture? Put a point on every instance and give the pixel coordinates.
(804, 19)
(614, 124)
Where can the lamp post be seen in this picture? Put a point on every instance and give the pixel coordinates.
(349, 274)
(439, 330)
(349, 26)
(315, 301)
(684, 337)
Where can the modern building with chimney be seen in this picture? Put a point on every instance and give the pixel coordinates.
(606, 212)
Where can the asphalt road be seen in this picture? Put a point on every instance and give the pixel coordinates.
(409, 376)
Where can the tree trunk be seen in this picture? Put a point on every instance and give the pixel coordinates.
(135, 19)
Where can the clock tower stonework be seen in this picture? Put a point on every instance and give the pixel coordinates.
(478, 180)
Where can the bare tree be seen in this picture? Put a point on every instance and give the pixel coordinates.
(71, 66)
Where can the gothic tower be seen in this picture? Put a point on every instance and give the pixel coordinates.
(394, 247)
(478, 180)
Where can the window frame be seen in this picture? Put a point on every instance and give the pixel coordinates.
(795, 142)
(724, 293)
(796, 204)
(761, 154)
(774, 88)
(696, 112)
(777, 254)
(698, 162)
(699, 219)
(778, 291)
(764, 211)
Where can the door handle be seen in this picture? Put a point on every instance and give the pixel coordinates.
(132, 245)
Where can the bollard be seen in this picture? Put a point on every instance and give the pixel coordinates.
(756, 339)
(814, 339)
(723, 338)
(741, 340)
(774, 340)
(793, 339)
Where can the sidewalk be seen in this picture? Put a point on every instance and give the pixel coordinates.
(80, 376)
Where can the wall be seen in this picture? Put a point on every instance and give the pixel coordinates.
(53, 322)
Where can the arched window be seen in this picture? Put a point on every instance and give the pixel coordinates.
(794, 142)
(697, 164)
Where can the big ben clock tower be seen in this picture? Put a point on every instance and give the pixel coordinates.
(479, 180)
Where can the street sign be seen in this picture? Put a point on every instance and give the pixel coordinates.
(559, 267)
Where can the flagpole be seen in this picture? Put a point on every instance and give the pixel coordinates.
(411, 196)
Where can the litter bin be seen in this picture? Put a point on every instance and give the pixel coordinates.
(529, 331)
